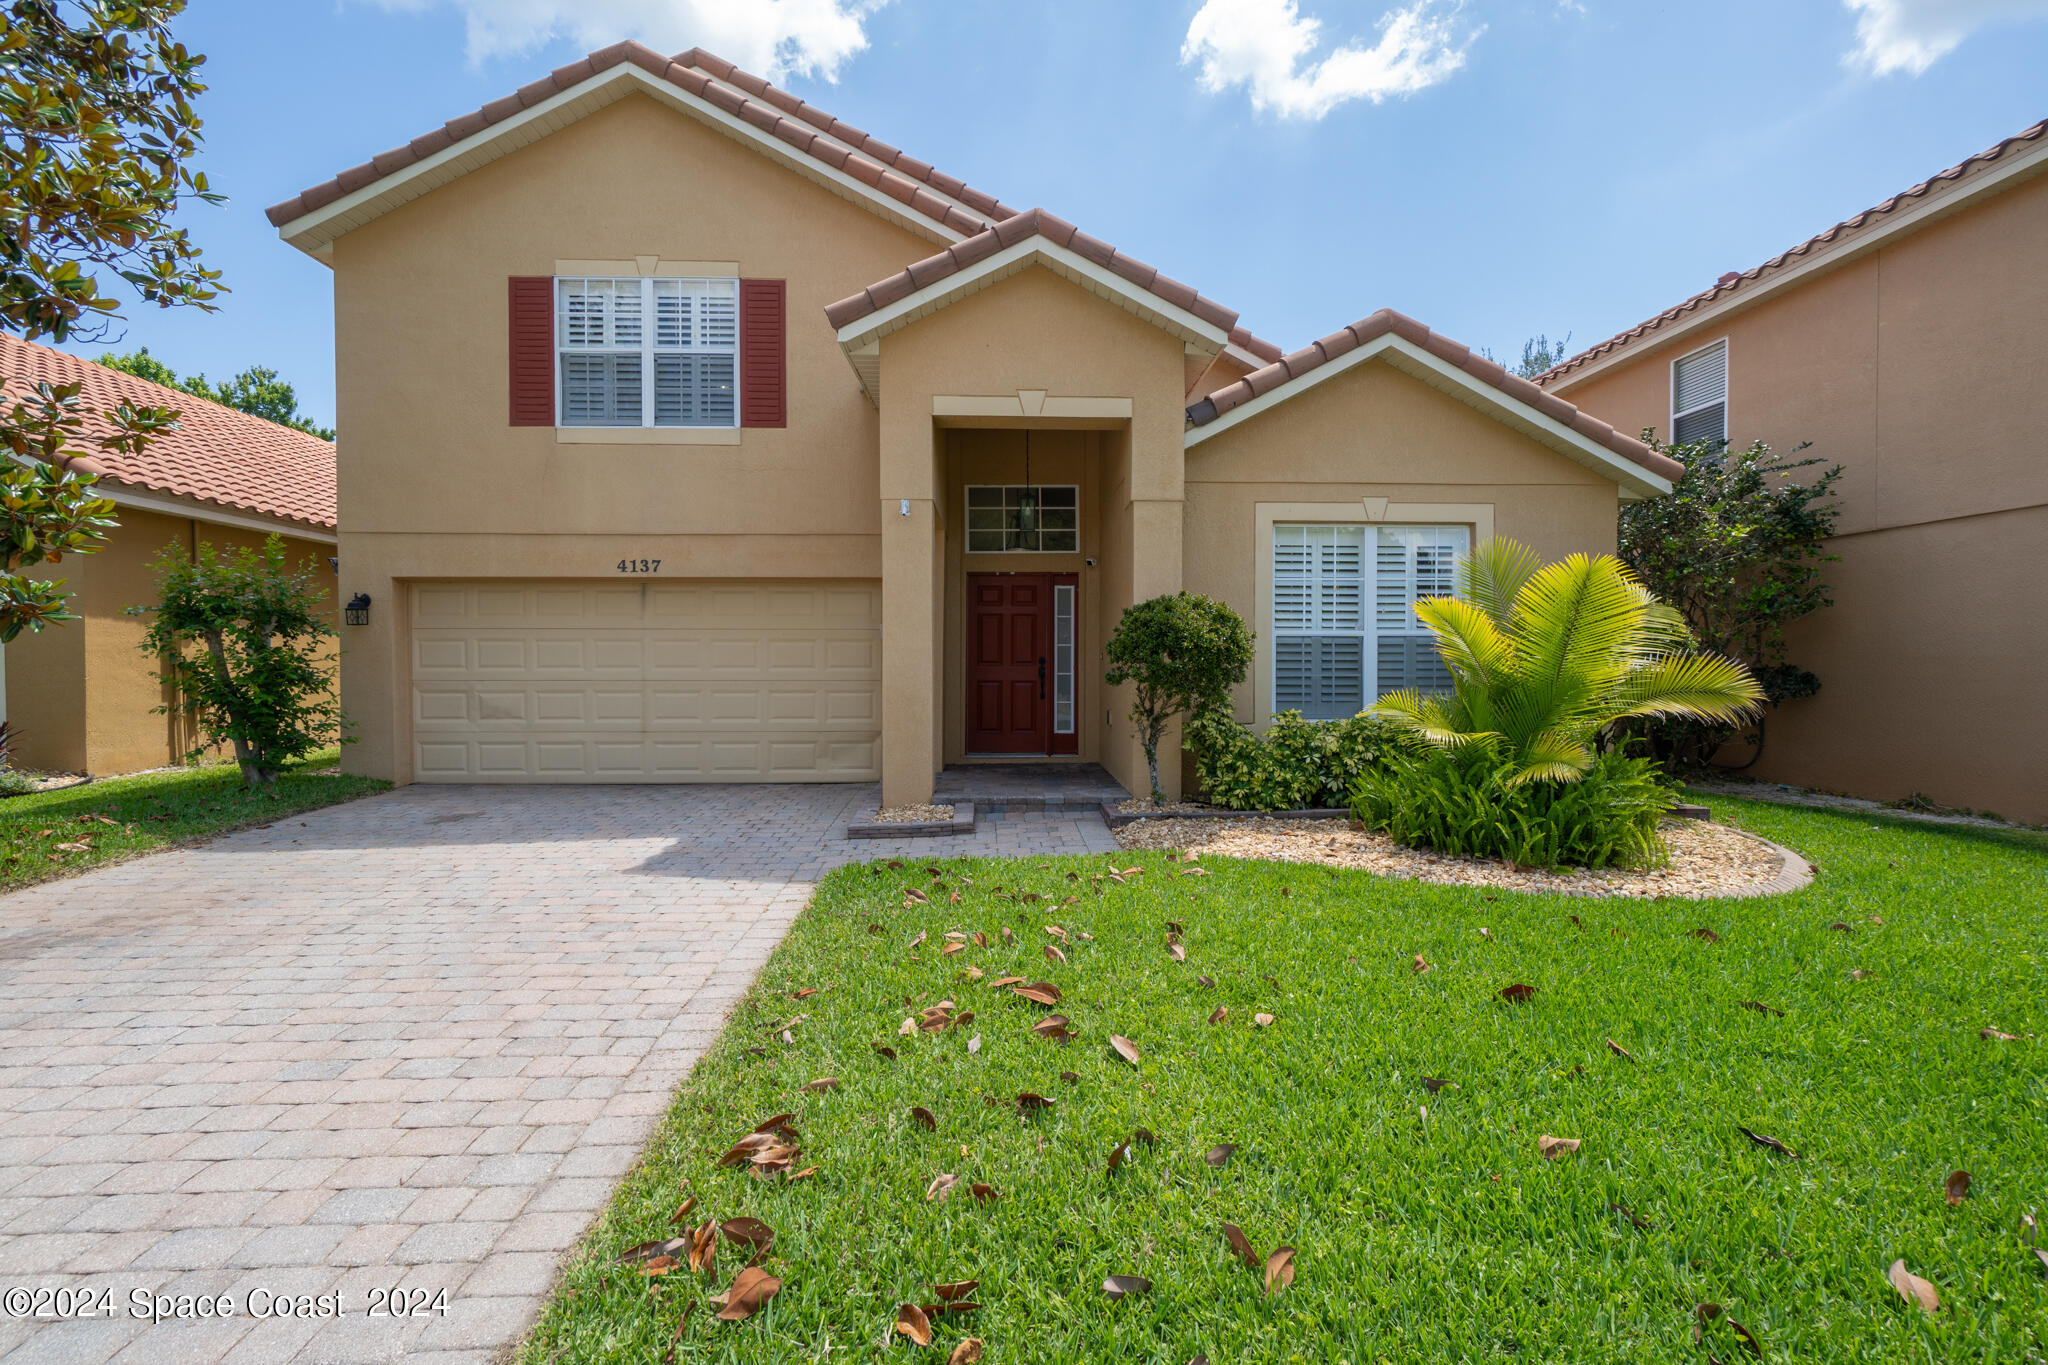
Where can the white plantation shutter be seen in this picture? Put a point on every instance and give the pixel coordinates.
(1333, 655)
(1412, 563)
(1699, 395)
(648, 352)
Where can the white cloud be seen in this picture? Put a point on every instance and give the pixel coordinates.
(1911, 35)
(1268, 47)
(772, 38)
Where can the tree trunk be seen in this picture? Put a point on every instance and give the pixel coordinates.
(1152, 769)
(252, 771)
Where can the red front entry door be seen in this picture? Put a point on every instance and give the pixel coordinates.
(1009, 663)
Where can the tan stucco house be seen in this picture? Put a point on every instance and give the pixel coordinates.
(692, 434)
(1908, 344)
(81, 696)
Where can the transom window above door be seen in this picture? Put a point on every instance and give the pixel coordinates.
(1028, 518)
(1345, 632)
(647, 352)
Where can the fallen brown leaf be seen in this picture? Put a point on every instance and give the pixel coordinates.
(1003, 981)
(1759, 1007)
(1116, 1286)
(940, 1189)
(822, 1084)
(1706, 935)
(1912, 1288)
(1118, 1153)
(1027, 1101)
(912, 1323)
(1241, 1247)
(1206, 982)
(1220, 1153)
(1642, 1224)
(1995, 1036)
(1038, 993)
(1071, 1077)
(1762, 1141)
(1176, 952)
(1219, 1014)
(1420, 965)
(1279, 1269)
(924, 1118)
(983, 1192)
(1956, 1187)
(1055, 1026)
(1551, 1148)
(956, 1291)
(703, 1248)
(1263, 1020)
(1487, 934)
(1432, 1084)
(1053, 954)
(751, 1232)
(967, 1352)
(1841, 928)
(804, 994)
(1125, 1048)
(1517, 993)
(658, 1265)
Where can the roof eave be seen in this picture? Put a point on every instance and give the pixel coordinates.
(1635, 481)
(861, 339)
(314, 231)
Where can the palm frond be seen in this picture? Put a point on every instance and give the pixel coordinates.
(1701, 686)
(1491, 577)
(1426, 715)
(1471, 645)
(1553, 756)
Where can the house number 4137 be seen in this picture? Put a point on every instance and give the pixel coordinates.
(639, 566)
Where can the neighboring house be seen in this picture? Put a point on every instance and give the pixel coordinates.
(81, 695)
(1908, 344)
(694, 435)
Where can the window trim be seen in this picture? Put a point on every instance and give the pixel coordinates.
(967, 530)
(1727, 374)
(1476, 517)
(648, 351)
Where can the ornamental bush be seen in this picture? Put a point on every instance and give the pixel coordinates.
(240, 635)
(1474, 801)
(1296, 764)
(1183, 652)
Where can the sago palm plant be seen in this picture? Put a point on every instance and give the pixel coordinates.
(1546, 658)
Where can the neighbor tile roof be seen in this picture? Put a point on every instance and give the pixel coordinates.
(216, 455)
(1009, 232)
(782, 116)
(1320, 353)
(1735, 280)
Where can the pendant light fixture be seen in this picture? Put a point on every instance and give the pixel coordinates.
(1027, 505)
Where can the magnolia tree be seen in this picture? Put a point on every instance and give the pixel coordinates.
(96, 127)
(1182, 654)
(240, 634)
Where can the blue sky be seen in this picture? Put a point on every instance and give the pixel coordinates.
(1495, 168)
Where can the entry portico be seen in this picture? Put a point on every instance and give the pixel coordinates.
(1031, 332)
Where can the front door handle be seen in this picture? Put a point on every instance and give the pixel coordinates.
(1041, 677)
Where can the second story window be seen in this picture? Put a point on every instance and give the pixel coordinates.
(647, 352)
(1699, 395)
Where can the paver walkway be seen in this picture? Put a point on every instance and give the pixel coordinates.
(408, 1043)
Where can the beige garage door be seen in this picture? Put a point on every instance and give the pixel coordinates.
(679, 681)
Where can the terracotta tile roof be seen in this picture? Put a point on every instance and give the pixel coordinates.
(1258, 346)
(217, 454)
(1009, 232)
(1735, 280)
(872, 162)
(1317, 354)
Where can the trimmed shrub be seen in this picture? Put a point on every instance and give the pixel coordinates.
(1182, 654)
(1297, 764)
(1475, 801)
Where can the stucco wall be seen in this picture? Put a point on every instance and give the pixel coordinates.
(1917, 368)
(435, 483)
(83, 693)
(1374, 432)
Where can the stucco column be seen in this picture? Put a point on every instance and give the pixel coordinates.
(1158, 489)
(911, 565)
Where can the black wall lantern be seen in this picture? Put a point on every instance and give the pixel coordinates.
(357, 612)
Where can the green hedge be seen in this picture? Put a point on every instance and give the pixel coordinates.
(1297, 764)
(1460, 802)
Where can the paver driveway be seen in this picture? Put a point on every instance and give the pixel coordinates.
(408, 1043)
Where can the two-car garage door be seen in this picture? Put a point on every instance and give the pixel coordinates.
(649, 681)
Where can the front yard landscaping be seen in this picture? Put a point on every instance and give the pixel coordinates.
(1767, 1101)
(55, 833)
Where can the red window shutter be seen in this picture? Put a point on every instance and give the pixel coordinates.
(532, 348)
(764, 360)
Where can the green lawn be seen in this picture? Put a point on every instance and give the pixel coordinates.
(52, 834)
(1443, 1237)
